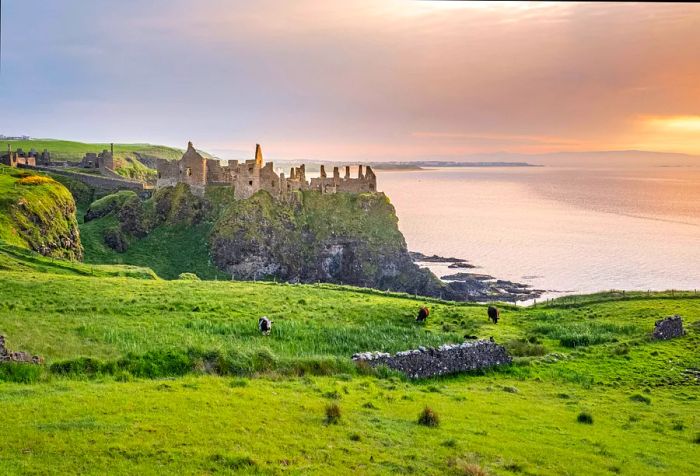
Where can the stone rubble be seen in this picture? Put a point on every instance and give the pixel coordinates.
(669, 328)
(8, 356)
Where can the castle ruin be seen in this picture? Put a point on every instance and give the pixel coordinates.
(101, 161)
(19, 157)
(249, 176)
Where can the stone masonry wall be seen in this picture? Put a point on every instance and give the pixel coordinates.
(669, 328)
(446, 359)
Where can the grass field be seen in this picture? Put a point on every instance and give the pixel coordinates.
(147, 376)
(126, 155)
(62, 150)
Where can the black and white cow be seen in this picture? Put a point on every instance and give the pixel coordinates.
(265, 325)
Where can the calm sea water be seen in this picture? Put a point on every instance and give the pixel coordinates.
(565, 229)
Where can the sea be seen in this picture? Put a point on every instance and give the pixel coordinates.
(563, 228)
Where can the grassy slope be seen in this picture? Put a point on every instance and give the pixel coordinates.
(125, 154)
(172, 248)
(274, 424)
(14, 258)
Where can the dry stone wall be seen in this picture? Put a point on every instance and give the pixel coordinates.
(669, 328)
(446, 359)
(9, 356)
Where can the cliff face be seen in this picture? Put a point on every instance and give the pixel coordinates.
(339, 238)
(38, 213)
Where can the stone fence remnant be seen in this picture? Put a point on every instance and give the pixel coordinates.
(8, 356)
(669, 328)
(446, 359)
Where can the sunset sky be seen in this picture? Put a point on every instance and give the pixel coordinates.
(365, 79)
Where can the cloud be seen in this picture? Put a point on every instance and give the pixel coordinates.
(352, 79)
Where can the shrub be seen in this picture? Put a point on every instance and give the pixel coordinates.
(332, 414)
(585, 418)
(510, 389)
(20, 372)
(188, 277)
(428, 417)
(35, 180)
(234, 462)
(640, 398)
(523, 348)
(449, 443)
(696, 440)
(355, 437)
(466, 468)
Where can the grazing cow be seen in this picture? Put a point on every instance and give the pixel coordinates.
(494, 314)
(423, 314)
(265, 325)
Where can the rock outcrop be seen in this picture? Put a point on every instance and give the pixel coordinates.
(339, 238)
(9, 356)
(446, 359)
(669, 328)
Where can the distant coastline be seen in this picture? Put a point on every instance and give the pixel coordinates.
(423, 164)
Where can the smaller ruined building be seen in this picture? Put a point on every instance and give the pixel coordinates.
(103, 160)
(249, 176)
(19, 157)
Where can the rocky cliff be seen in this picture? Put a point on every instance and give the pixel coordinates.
(340, 238)
(38, 213)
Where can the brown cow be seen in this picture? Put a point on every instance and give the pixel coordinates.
(423, 314)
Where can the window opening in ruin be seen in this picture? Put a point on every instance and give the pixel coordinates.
(250, 182)
(189, 171)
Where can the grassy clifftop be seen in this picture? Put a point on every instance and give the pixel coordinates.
(128, 157)
(38, 213)
(131, 362)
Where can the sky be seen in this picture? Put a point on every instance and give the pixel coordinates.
(354, 79)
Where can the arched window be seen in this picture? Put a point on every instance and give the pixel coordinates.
(188, 172)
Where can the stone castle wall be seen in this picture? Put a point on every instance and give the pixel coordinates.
(446, 359)
(250, 176)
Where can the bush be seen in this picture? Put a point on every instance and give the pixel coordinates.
(188, 277)
(18, 372)
(585, 418)
(115, 239)
(355, 437)
(428, 417)
(523, 348)
(332, 414)
(640, 398)
(35, 180)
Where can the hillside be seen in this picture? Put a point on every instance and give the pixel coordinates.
(174, 374)
(340, 238)
(133, 161)
(38, 213)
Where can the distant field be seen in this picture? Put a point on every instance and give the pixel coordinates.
(144, 374)
(74, 151)
(127, 155)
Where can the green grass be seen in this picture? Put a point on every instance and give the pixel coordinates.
(62, 150)
(146, 376)
(126, 156)
(38, 213)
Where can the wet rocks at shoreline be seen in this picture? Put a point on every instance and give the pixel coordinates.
(478, 287)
